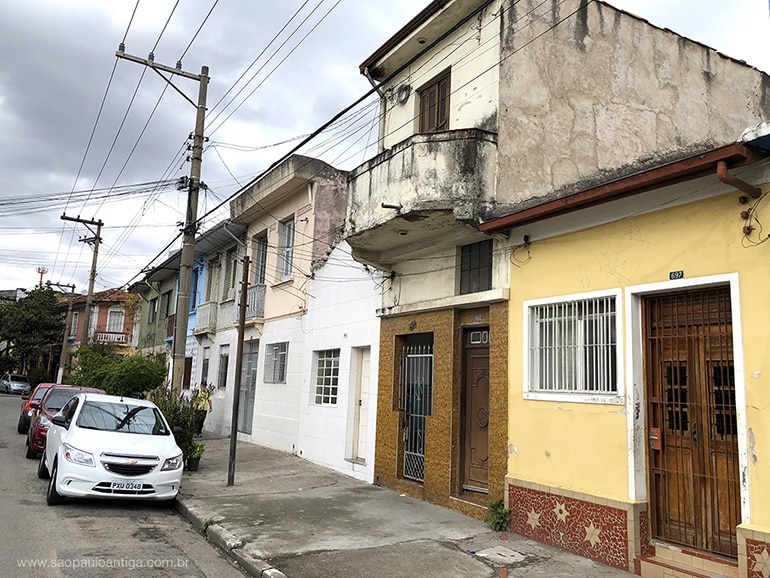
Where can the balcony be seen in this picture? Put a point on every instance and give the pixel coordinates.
(426, 190)
(206, 318)
(255, 302)
(117, 338)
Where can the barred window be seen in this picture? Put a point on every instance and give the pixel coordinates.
(275, 362)
(573, 346)
(327, 377)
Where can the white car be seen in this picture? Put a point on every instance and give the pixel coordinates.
(106, 446)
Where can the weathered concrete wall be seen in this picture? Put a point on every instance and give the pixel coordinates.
(472, 53)
(602, 94)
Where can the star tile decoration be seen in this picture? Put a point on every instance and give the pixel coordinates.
(762, 563)
(561, 512)
(533, 518)
(595, 531)
(592, 534)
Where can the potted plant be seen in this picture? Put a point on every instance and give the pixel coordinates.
(193, 455)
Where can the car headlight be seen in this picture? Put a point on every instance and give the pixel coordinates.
(44, 422)
(77, 456)
(172, 463)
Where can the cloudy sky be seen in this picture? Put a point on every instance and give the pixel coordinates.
(86, 134)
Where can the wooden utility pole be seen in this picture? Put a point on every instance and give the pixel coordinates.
(67, 321)
(238, 365)
(96, 239)
(191, 215)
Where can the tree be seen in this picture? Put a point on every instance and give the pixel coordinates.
(129, 375)
(31, 327)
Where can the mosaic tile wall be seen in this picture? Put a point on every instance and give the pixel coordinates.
(441, 485)
(592, 530)
(757, 558)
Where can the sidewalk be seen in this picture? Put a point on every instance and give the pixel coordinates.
(285, 516)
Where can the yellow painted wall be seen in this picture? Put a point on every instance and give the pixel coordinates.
(584, 446)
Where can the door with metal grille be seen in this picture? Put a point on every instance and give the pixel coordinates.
(694, 492)
(416, 403)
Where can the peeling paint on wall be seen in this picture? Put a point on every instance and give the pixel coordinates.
(752, 447)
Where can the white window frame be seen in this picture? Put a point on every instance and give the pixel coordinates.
(276, 362)
(615, 397)
(327, 377)
(113, 326)
(288, 234)
(74, 324)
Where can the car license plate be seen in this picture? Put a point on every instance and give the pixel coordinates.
(130, 486)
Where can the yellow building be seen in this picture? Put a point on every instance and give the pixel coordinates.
(637, 341)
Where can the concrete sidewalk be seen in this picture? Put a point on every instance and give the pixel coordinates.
(285, 516)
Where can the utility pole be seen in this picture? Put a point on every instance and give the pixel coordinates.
(67, 321)
(191, 215)
(96, 239)
(238, 365)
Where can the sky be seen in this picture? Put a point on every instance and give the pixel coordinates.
(92, 136)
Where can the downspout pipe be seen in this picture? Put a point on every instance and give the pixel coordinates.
(728, 179)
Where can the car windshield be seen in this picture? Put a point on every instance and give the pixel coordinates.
(57, 398)
(39, 393)
(122, 417)
(19, 378)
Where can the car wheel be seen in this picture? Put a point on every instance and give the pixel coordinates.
(31, 454)
(23, 425)
(42, 469)
(52, 497)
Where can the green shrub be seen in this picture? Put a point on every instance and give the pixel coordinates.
(499, 516)
(179, 413)
(39, 375)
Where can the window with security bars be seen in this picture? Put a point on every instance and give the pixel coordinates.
(573, 346)
(434, 105)
(476, 267)
(327, 377)
(275, 362)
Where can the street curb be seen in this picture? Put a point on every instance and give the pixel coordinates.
(229, 543)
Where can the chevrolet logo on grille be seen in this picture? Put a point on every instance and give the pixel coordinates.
(131, 462)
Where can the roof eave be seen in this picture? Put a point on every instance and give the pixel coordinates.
(686, 169)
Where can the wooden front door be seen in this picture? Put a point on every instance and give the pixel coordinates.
(693, 449)
(475, 411)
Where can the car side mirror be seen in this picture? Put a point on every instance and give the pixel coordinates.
(25, 397)
(60, 420)
(34, 404)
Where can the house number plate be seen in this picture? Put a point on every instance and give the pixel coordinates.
(674, 275)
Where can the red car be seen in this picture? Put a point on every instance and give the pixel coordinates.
(25, 416)
(53, 400)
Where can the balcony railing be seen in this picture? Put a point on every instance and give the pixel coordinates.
(255, 302)
(111, 337)
(206, 318)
